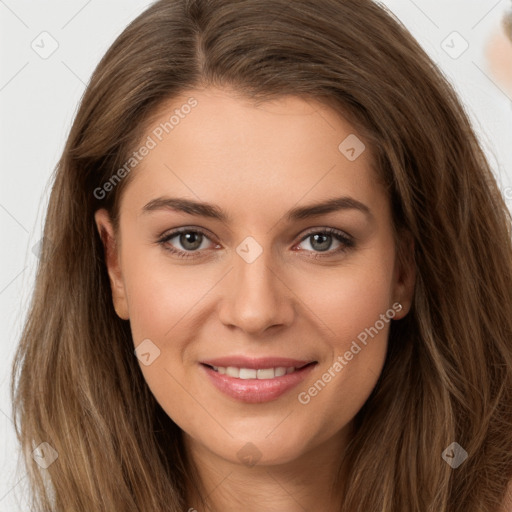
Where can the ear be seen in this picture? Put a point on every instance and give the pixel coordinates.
(405, 275)
(112, 259)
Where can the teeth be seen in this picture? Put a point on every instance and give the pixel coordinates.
(231, 371)
(269, 373)
(251, 373)
(280, 371)
(246, 373)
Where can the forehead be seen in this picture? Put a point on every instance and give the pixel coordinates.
(216, 145)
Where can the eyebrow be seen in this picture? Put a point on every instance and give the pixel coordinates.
(212, 211)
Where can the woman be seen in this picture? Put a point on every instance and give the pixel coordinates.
(277, 274)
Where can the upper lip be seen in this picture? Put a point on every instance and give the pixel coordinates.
(256, 362)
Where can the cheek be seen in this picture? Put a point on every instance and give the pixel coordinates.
(164, 300)
(159, 292)
(351, 298)
(357, 314)
(351, 302)
(357, 310)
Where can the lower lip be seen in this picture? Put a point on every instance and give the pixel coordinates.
(256, 390)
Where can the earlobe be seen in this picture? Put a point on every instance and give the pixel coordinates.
(110, 246)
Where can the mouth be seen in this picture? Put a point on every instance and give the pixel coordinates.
(257, 373)
(257, 384)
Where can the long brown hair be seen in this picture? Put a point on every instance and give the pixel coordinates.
(76, 383)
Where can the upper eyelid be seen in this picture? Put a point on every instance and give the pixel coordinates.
(178, 231)
(329, 230)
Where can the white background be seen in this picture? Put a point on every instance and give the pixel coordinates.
(38, 99)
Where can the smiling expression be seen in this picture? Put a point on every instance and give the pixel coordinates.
(247, 235)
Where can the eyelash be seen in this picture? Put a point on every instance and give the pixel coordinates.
(346, 241)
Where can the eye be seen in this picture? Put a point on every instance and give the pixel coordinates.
(321, 240)
(191, 240)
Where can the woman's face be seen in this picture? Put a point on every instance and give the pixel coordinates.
(264, 278)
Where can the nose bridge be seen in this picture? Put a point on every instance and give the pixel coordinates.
(257, 298)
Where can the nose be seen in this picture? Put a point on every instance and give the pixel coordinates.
(256, 297)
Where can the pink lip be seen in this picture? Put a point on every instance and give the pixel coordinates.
(257, 390)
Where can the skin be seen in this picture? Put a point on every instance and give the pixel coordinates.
(499, 55)
(256, 163)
